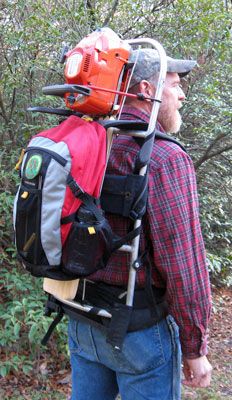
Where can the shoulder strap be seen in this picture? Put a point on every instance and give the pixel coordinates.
(137, 125)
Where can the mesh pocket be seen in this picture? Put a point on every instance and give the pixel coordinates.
(28, 216)
(88, 247)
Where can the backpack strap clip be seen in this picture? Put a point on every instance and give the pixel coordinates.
(73, 185)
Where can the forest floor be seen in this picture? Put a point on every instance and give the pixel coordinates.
(54, 383)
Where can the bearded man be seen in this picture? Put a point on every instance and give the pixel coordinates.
(149, 365)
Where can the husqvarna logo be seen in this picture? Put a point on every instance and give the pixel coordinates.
(33, 166)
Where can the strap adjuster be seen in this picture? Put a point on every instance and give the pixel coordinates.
(73, 185)
(133, 215)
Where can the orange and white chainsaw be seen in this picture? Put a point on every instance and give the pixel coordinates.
(96, 74)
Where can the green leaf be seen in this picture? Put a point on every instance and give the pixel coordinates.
(3, 371)
(33, 332)
(27, 368)
(17, 329)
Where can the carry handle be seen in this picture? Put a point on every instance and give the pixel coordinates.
(61, 90)
(162, 76)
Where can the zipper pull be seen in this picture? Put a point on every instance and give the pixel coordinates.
(20, 159)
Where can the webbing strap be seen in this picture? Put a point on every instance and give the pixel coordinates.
(119, 241)
(88, 200)
(52, 327)
(121, 315)
(144, 153)
(144, 260)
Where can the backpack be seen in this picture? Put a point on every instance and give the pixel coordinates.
(61, 175)
(57, 215)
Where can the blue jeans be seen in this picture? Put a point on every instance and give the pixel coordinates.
(148, 367)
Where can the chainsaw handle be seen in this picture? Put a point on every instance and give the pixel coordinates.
(61, 90)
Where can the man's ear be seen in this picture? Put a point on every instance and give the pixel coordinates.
(146, 88)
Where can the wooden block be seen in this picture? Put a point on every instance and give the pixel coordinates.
(65, 290)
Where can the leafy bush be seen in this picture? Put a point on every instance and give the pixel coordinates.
(23, 323)
(217, 232)
(30, 47)
(8, 186)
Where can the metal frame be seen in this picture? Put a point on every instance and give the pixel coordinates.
(134, 247)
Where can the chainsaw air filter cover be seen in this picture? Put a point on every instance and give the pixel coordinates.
(98, 62)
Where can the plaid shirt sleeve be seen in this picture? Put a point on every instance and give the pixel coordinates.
(178, 248)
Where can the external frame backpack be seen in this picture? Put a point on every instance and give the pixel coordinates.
(115, 200)
(60, 229)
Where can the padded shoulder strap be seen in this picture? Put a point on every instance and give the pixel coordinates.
(162, 135)
(123, 124)
(137, 125)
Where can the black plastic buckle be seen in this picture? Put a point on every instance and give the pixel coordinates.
(75, 188)
(133, 215)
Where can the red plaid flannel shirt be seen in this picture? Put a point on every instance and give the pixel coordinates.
(172, 224)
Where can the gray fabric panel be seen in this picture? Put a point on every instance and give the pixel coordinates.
(52, 200)
(61, 148)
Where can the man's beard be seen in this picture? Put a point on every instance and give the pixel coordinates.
(171, 122)
(175, 123)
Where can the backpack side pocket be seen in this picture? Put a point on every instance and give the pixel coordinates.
(88, 246)
(27, 223)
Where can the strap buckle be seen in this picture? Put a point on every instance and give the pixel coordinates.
(73, 185)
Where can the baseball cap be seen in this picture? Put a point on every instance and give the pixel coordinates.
(148, 63)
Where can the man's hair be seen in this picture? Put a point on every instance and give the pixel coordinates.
(153, 80)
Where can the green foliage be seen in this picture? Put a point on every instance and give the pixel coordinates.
(8, 186)
(23, 323)
(217, 232)
(46, 392)
(30, 48)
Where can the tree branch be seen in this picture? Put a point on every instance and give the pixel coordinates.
(161, 5)
(91, 8)
(111, 13)
(4, 243)
(12, 104)
(3, 113)
(210, 154)
(156, 8)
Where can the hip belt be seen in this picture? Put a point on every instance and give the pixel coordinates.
(124, 318)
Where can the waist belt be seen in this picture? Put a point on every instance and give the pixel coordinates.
(113, 299)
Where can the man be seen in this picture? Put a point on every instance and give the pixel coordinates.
(148, 367)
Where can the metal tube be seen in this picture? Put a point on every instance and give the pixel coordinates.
(151, 127)
(162, 76)
(85, 307)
